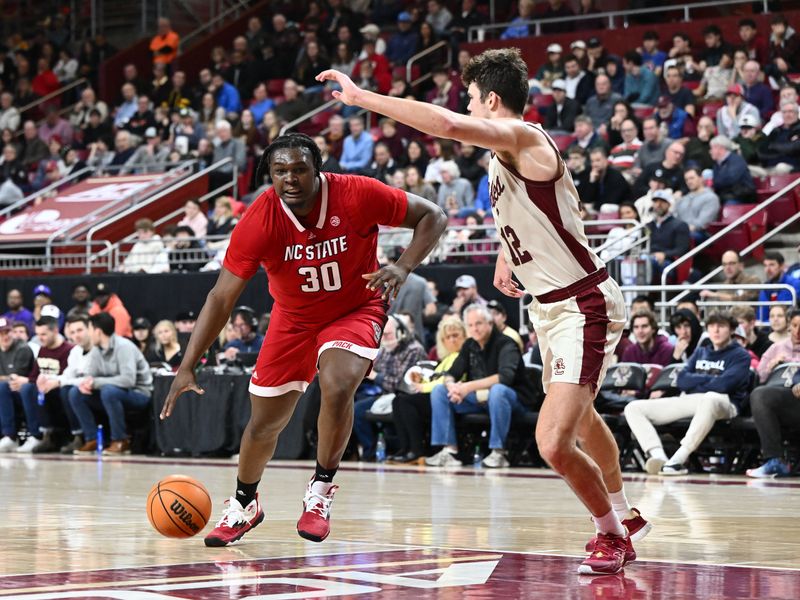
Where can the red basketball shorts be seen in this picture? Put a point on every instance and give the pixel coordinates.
(289, 358)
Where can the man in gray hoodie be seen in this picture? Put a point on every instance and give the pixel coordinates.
(117, 375)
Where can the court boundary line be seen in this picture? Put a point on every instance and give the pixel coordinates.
(461, 472)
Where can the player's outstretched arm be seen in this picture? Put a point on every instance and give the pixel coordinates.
(503, 135)
(212, 318)
(428, 222)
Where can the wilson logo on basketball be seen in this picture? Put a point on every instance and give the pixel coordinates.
(184, 515)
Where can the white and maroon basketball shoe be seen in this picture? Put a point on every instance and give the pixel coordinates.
(235, 522)
(637, 528)
(315, 522)
(610, 555)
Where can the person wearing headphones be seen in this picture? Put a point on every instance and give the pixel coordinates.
(245, 321)
(400, 351)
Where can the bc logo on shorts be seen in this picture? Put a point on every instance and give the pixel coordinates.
(558, 366)
(377, 329)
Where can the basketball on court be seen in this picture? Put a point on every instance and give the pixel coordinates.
(178, 506)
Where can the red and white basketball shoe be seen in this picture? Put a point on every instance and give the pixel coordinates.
(315, 522)
(637, 528)
(235, 522)
(610, 555)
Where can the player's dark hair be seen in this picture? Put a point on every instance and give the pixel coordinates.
(104, 322)
(503, 72)
(290, 140)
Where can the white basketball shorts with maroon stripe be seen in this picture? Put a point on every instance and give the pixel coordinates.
(578, 329)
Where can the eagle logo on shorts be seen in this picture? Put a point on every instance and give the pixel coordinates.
(622, 376)
(335, 221)
(377, 329)
(559, 367)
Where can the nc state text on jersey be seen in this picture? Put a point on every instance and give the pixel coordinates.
(316, 251)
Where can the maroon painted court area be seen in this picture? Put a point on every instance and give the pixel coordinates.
(410, 574)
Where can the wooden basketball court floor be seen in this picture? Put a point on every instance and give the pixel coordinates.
(76, 528)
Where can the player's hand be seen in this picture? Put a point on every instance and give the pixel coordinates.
(349, 91)
(184, 382)
(796, 390)
(389, 278)
(503, 280)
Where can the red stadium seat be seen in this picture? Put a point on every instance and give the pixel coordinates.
(275, 87)
(710, 109)
(563, 141)
(642, 112)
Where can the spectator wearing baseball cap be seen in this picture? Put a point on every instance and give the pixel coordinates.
(107, 301)
(669, 237)
(561, 114)
(735, 108)
(402, 45)
(500, 316)
(466, 289)
(554, 67)
(16, 362)
(16, 311)
(751, 140)
(42, 296)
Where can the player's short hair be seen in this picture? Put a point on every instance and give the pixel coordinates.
(503, 72)
(290, 140)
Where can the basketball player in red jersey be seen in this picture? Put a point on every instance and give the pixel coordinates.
(316, 235)
(577, 311)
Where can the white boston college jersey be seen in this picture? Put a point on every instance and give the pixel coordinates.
(541, 228)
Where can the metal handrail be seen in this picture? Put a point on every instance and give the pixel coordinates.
(437, 46)
(639, 241)
(51, 95)
(130, 210)
(747, 249)
(48, 250)
(308, 115)
(697, 287)
(114, 249)
(211, 24)
(743, 219)
(477, 32)
(32, 197)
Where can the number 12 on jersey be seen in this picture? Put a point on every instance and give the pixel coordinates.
(518, 255)
(326, 277)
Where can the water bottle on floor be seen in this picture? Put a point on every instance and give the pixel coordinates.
(40, 398)
(477, 459)
(99, 439)
(380, 449)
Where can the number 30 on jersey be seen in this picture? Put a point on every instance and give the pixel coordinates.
(324, 277)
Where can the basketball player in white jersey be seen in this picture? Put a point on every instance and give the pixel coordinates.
(578, 312)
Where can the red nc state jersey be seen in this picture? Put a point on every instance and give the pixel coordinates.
(314, 264)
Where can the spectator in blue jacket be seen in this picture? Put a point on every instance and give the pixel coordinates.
(227, 96)
(732, 180)
(714, 384)
(775, 272)
(755, 92)
(641, 85)
(357, 149)
(403, 44)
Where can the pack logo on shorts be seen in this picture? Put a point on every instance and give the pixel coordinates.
(558, 366)
(377, 329)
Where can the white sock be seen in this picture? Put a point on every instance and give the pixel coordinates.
(680, 457)
(609, 523)
(620, 503)
(321, 487)
(658, 452)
